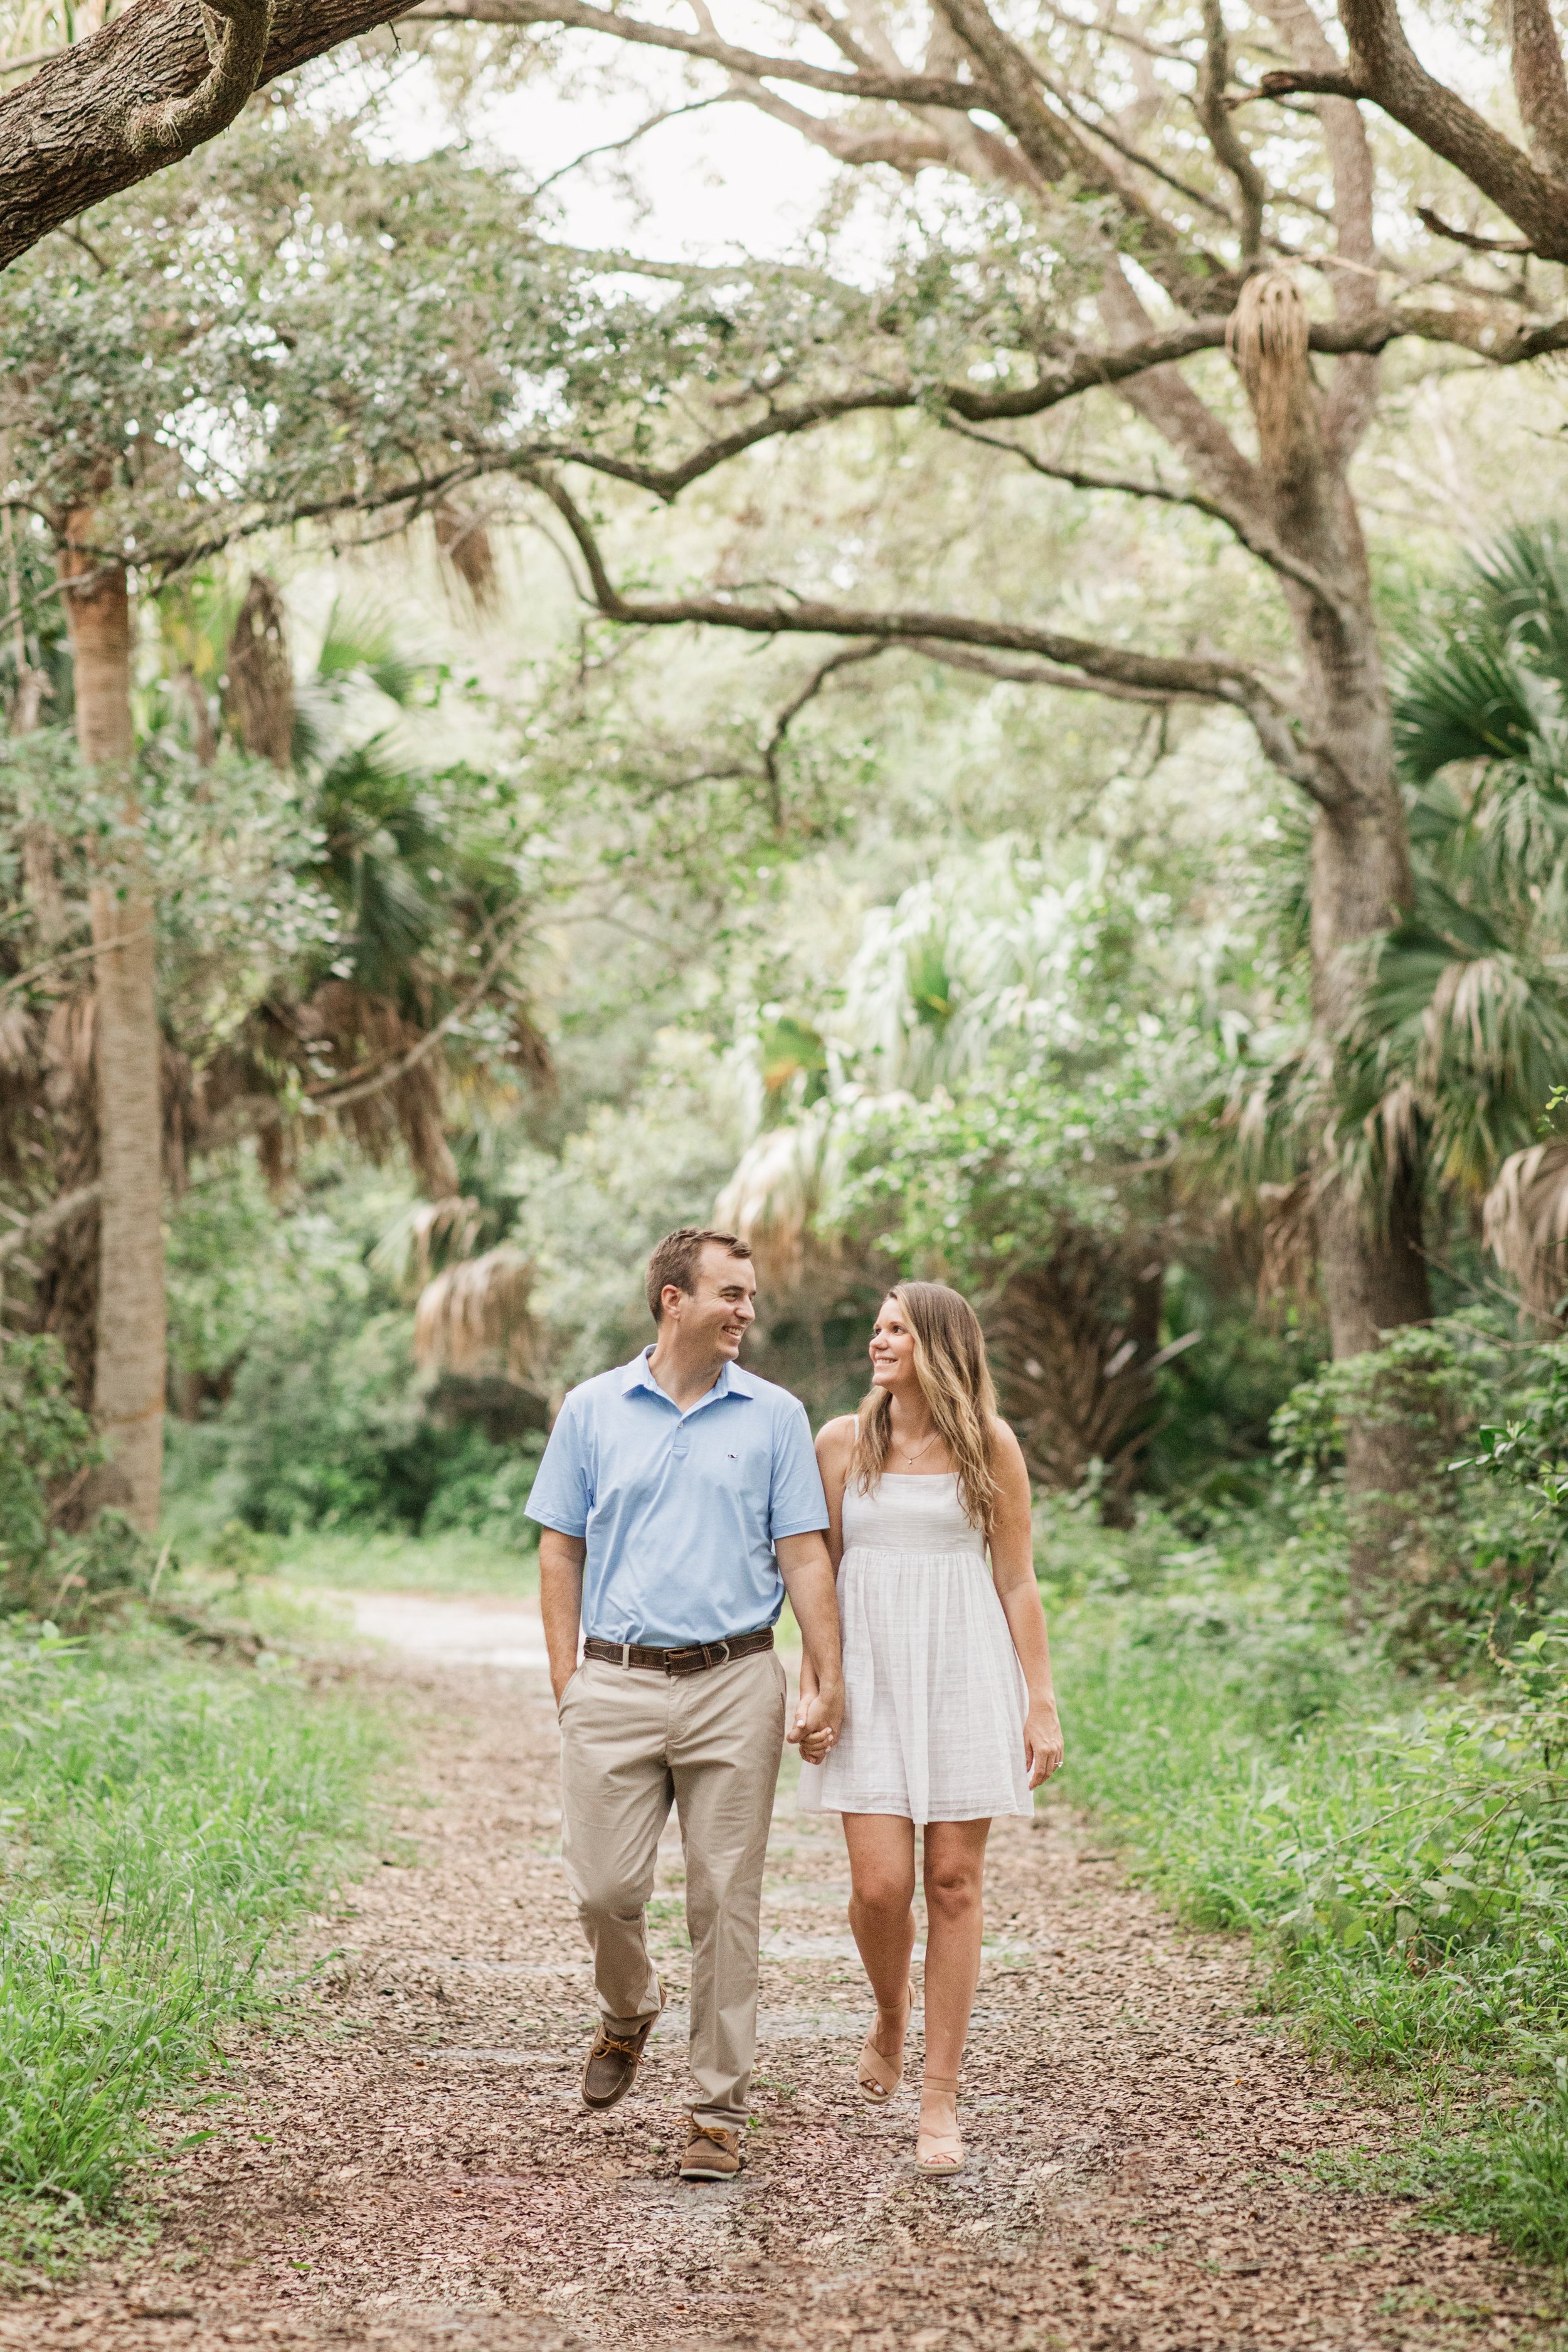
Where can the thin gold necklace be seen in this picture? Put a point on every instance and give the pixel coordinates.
(919, 1450)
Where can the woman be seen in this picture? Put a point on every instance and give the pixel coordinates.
(950, 1718)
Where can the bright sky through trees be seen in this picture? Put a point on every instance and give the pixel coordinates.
(706, 183)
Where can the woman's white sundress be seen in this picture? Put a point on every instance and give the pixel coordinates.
(933, 1723)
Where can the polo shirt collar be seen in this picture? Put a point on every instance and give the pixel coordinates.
(731, 1381)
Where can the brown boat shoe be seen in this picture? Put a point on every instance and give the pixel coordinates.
(712, 2153)
(614, 2060)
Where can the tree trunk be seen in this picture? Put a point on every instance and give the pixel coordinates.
(66, 1294)
(1374, 1270)
(1375, 1275)
(128, 1358)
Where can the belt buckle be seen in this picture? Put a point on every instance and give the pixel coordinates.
(725, 1659)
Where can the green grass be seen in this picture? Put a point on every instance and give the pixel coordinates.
(454, 1564)
(1507, 2173)
(353, 1560)
(1402, 1853)
(164, 1823)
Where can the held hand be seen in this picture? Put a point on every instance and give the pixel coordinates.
(812, 1742)
(794, 1736)
(813, 1745)
(1043, 1744)
(818, 1719)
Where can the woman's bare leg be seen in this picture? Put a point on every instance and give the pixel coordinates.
(954, 1882)
(882, 1916)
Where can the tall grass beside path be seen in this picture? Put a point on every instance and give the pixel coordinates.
(458, 1565)
(1401, 1851)
(164, 1823)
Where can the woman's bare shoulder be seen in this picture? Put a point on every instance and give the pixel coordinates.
(836, 1438)
(1006, 1453)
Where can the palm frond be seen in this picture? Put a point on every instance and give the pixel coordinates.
(781, 1184)
(260, 695)
(380, 837)
(410, 1247)
(1289, 1249)
(1524, 1222)
(1519, 842)
(1474, 1020)
(462, 534)
(1462, 695)
(1521, 584)
(360, 642)
(474, 1317)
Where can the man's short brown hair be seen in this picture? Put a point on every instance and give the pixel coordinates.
(675, 1261)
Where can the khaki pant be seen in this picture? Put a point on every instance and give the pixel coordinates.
(634, 1742)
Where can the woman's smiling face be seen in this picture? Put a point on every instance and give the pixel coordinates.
(892, 1348)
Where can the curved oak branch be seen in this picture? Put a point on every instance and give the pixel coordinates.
(1383, 67)
(1078, 662)
(868, 82)
(1266, 550)
(959, 406)
(148, 86)
(236, 51)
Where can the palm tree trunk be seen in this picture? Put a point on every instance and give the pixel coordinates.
(129, 1367)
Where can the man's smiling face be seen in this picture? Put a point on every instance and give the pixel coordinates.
(717, 1313)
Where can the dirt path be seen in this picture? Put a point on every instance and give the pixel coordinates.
(412, 2166)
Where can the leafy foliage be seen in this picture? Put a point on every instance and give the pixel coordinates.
(47, 1448)
(1475, 1557)
(44, 1441)
(589, 1218)
(1466, 1019)
(1404, 1856)
(311, 1413)
(165, 1822)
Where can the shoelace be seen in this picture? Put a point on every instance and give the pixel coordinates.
(607, 2043)
(720, 2137)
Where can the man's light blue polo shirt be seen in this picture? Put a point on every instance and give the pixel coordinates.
(680, 1510)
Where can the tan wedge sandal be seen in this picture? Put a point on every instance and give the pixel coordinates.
(938, 2153)
(877, 2077)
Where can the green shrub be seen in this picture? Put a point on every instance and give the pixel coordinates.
(44, 1441)
(1475, 1548)
(483, 1489)
(327, 1428)
(47, 1450)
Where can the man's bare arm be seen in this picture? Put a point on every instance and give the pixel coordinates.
(560, 1561)
(808, 1572)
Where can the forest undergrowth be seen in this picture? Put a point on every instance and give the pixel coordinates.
(165, 1818)
(174, 1795)
(1396, 1842)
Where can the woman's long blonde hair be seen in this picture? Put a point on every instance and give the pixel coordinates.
(955, 1381)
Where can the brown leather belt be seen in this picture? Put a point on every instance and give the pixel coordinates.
(696, 1659)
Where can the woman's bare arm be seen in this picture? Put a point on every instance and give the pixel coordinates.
(835, 1444)
(1013, 1567)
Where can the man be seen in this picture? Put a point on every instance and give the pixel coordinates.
(680, 1498)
